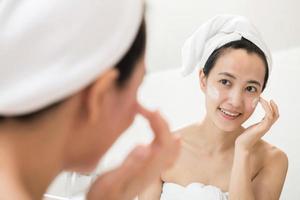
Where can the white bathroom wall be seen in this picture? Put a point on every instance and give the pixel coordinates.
(170, 22)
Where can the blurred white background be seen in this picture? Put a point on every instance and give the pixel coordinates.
(170, 22)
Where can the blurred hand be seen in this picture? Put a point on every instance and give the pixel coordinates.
(252, 134)
(143, 165)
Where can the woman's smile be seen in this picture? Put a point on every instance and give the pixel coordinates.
(228, 114)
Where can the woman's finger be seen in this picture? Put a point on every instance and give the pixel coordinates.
(135, 160)
(166, 143)
(276, 110)
(157, 123)
(268, 110)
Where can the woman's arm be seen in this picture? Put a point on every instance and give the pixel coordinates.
(240, 181)
(268, 184)
(152, 192)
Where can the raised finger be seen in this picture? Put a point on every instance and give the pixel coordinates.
(157, 123)
(275, 109)
(133, 163)
(267, 108)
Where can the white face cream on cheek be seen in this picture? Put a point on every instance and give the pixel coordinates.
(212, 92)
(255, 102)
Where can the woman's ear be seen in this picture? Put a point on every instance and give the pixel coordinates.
(102, 88)
(202, 79)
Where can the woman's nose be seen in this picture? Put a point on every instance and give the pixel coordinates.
(235, 98)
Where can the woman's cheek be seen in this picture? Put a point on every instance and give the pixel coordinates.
(213, 92)
(255, 102)
(251, 104)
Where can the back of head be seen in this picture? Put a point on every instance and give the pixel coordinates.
(51, 50)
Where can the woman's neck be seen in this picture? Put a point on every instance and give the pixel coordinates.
(213, 139)
(30, 158)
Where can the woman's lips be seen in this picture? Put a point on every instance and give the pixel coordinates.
(230, 115)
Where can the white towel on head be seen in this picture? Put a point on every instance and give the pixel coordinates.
(215, 33)
(50, 50)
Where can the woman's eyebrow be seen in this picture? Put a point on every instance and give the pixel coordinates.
(254, 82)
(227, 74)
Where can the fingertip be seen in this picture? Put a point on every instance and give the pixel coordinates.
(158, 118)
(262, 100)
(274, 104)
(140, 108)
(138, 105)
(143, 111)
(265, 103)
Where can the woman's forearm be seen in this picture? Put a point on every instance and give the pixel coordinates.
(240, 181)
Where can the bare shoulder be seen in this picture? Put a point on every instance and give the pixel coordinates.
(272, 155)
(185, 131)
(269, 181)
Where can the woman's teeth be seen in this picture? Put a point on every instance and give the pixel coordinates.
(231, 114)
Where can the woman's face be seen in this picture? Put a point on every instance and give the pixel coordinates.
(117, 114)
(233, 87)
(124, 106)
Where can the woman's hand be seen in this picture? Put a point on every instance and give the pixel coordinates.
(252, 134)
(142, 166)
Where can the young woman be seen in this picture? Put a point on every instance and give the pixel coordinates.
(69, 73)
(220, 159)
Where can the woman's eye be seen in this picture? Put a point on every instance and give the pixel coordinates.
(251, 89)
(224, 82)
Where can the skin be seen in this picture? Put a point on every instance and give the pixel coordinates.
(75, 135)
(213, 92)
(227, 155)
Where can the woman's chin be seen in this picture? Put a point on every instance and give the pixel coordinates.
(228, 127)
